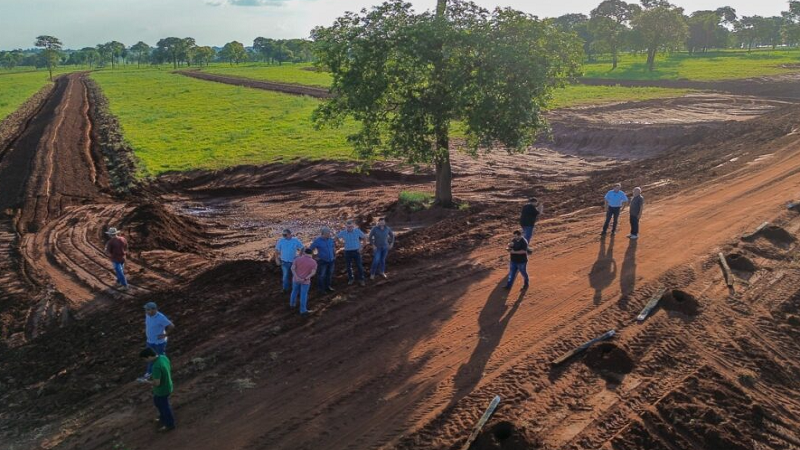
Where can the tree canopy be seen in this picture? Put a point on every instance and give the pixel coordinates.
(406, 76)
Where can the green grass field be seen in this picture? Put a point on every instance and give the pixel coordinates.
(18, 86)
(287, 73)
(179, 123)
(719, 65)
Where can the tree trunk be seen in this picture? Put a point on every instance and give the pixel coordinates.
(441, 8)
(614, 59)
(651, 59)
(444, 181)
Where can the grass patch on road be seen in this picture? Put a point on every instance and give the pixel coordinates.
(16, 87)
(416, 200)
(718, 65)
(287, 73)
(176, 123)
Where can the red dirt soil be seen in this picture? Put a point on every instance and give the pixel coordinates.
(285, 88)
(412, 362)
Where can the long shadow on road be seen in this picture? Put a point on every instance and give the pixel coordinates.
(604, 269)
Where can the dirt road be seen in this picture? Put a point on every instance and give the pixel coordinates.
(285, 88)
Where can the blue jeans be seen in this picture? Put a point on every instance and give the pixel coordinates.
(613, 211)
(160, 349)
(119, 268)
(527, 232)
(325, 273)
(634, 225)
(514, 267)
(286, 268)
(164, 410)
(303, 290)
(379, 260)
(352, 257)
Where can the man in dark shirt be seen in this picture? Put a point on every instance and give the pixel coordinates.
(518, 249)
(527, 220)
(636, 210)
(117, 248)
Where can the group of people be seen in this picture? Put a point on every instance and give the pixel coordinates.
(299, 266)
(519, 248)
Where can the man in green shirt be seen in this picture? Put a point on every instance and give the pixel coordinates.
(161, 380)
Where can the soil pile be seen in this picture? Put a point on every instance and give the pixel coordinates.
(504, 435)
(608, 358)
(740, 263)
(680, 302)
(154, 227)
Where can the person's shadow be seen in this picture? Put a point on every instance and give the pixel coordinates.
(604, 270)
(493, 320)
(627, 276)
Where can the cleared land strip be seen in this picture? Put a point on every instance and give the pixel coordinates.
(294, 89)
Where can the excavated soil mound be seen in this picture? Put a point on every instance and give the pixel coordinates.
(607, 357)
(154, 227)
(284, 88)
(741, 263)
(235, 273)
(777, 235)
(505, 435)
(680, 302)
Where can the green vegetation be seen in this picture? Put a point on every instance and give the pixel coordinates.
(291, 73)
(709, 66)
(16, 87)
(179, 123)
(416, 200)
(581, 95)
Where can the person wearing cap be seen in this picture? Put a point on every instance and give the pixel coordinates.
(287, 248)
(303, 268)
(156, 326)
(527, 220)
(325, 246)
(353, 238)
(615, 201)
(162, 386)
(382, 239)
(117, 248)
(518, 251)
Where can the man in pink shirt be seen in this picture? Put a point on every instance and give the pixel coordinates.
(303, 268)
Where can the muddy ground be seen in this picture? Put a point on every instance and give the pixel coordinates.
(412, 361)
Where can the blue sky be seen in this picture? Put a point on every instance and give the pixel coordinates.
(81, 23)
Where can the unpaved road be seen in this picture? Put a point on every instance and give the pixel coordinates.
(412, 361)
(285, 88)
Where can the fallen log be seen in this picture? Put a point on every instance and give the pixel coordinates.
(650, 306)
(485, 418)
(754, 234)
(563, 358)
(726, 270)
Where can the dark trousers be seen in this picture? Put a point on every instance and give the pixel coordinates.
(634, 225)
(325, 274)
(164, 410)
(613, 211)
(160, 349)
(353, 257)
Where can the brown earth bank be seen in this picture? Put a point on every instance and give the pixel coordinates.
(285, 88)
(412, 361)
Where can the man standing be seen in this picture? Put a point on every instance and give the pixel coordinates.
(518, 249)
(117, 248)
(636, 210)
(162, 387)
(287, 248)
(615, 201)
(353, 238)
(530, 212)
(326, 255)
(382, 239)
(156, 326)
(303, 269)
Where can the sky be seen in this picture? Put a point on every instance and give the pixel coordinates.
(83, 23)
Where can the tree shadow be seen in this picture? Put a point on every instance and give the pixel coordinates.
(493, 320)
(604, 269)
(627, 275)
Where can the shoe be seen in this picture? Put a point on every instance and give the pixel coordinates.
(349, 282)
(613, 233)
(143, 379)
(602, 233)
(330, 289)
(372, 277)
(525, 286)
(307, 313)
(362, 283)
(634, 236)
(384, 276)
(123, 288)
(165, 429)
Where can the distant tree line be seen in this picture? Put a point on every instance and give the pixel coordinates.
(654, 26)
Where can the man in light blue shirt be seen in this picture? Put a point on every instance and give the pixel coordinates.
(353, 239)
(326, 255)
(615, 201)
(156, 326)
(287, 248)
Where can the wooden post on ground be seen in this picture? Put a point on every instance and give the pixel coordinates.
(485, 418)
(651, 305)
(561, 359)
(754, 234)
(726, 270)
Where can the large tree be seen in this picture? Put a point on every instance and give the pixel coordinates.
(204, 55)
(407, 76)
(11, 59)
(142, 52)
(609, 23)
(661, 27)
(233, 52)
(706, 29)
(51, 53)
(170, 48)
